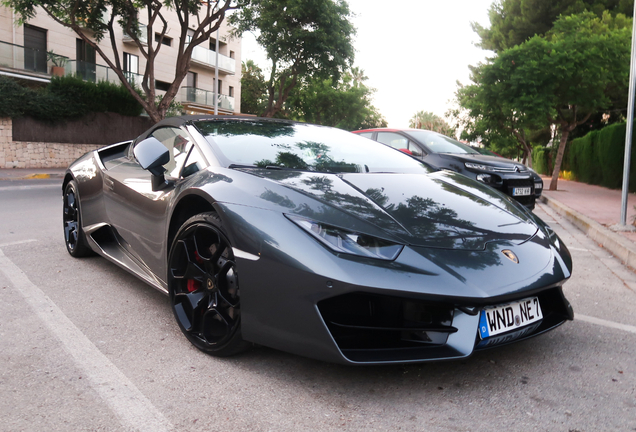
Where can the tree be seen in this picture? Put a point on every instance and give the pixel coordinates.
(253, 89)
(100, 17)
(345, 104)
(513, 22)
(564, 77)
(430, 121)
(302, 38)
(489, 114)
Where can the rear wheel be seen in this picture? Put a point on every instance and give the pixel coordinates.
(74, 237)
(204, 288)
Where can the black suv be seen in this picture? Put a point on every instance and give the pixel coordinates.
(440, 151)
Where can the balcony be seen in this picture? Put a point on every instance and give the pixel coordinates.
(28, 63)
(207, 58)
(143, 36)
(95, 73)
(197, 96)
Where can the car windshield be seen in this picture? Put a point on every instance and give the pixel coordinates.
(438, 143)
(282, 145)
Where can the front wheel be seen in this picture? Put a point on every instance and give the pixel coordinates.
(74, 236)
(204, 288)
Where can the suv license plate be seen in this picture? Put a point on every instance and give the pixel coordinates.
(510, 316)
(522, 191)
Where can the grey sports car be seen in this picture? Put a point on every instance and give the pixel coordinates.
(315, 241)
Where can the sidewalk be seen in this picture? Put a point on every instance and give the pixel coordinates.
(597, 212)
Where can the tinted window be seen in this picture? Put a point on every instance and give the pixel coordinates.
(393, 139)
(194, 162)
(179, 145)
(438, 143)
(301, 146)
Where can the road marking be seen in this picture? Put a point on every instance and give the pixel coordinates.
(605, 323)
(578, 249)
(134, 410)
(31, 187)
(17, 243)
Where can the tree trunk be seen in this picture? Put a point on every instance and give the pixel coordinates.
(565, 132)
(528, 155)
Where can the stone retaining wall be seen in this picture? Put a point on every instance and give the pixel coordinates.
(20, 154)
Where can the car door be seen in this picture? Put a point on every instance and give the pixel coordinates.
(137, 212)
(400, 142)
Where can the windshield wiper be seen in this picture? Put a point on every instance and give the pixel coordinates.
(241, 166)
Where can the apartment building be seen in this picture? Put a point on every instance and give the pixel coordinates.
(24, 49)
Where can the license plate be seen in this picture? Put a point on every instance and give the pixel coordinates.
(538, 185)
(510, 316)
(508, 337)
(521, 191)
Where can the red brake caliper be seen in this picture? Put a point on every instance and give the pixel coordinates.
(194, 285)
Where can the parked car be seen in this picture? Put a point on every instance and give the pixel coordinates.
(440, 151)
(538, 181)
(315, 241)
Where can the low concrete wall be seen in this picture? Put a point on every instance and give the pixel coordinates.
(21, 154)
(94, 128)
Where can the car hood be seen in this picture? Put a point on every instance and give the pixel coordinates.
(440, 210)
(495, 161)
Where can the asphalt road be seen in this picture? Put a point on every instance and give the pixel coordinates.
(84, 346)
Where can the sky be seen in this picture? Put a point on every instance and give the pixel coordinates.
(413, 51)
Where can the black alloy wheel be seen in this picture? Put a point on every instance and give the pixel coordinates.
(204, 287)
(73, 234)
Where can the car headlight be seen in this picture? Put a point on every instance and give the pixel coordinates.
(349, 242)
(486, 178)
(479, 167)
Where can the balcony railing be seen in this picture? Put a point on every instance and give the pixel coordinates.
(28, 59)
(142, 35)
(206, 57)
(204, 97)
(95, 73)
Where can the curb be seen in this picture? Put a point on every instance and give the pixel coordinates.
(35, 176)
(618, 245)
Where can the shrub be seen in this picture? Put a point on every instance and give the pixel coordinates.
(13, 95)
(65, 98)
(598, 157)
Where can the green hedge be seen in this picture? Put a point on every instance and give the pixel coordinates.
(65, 98)
(597, 158)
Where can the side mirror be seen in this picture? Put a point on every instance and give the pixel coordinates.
(152, 155)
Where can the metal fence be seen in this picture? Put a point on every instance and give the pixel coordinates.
(95, 73)
(23, 58)
(204, 97)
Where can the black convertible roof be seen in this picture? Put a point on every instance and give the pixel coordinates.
(179, 121)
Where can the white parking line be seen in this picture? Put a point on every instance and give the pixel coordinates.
(605, 323)
(17, 243)
(32, 187)
(134, 410)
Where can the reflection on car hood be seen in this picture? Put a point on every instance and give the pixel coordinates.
(486, 160)
(439, 210)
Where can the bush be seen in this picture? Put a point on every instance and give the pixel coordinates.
(13, 96)
(598, 157)
(89, 97)
(65, 98)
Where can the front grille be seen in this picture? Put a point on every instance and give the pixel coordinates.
(362, 323)
(520, 183)
(510, 170)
